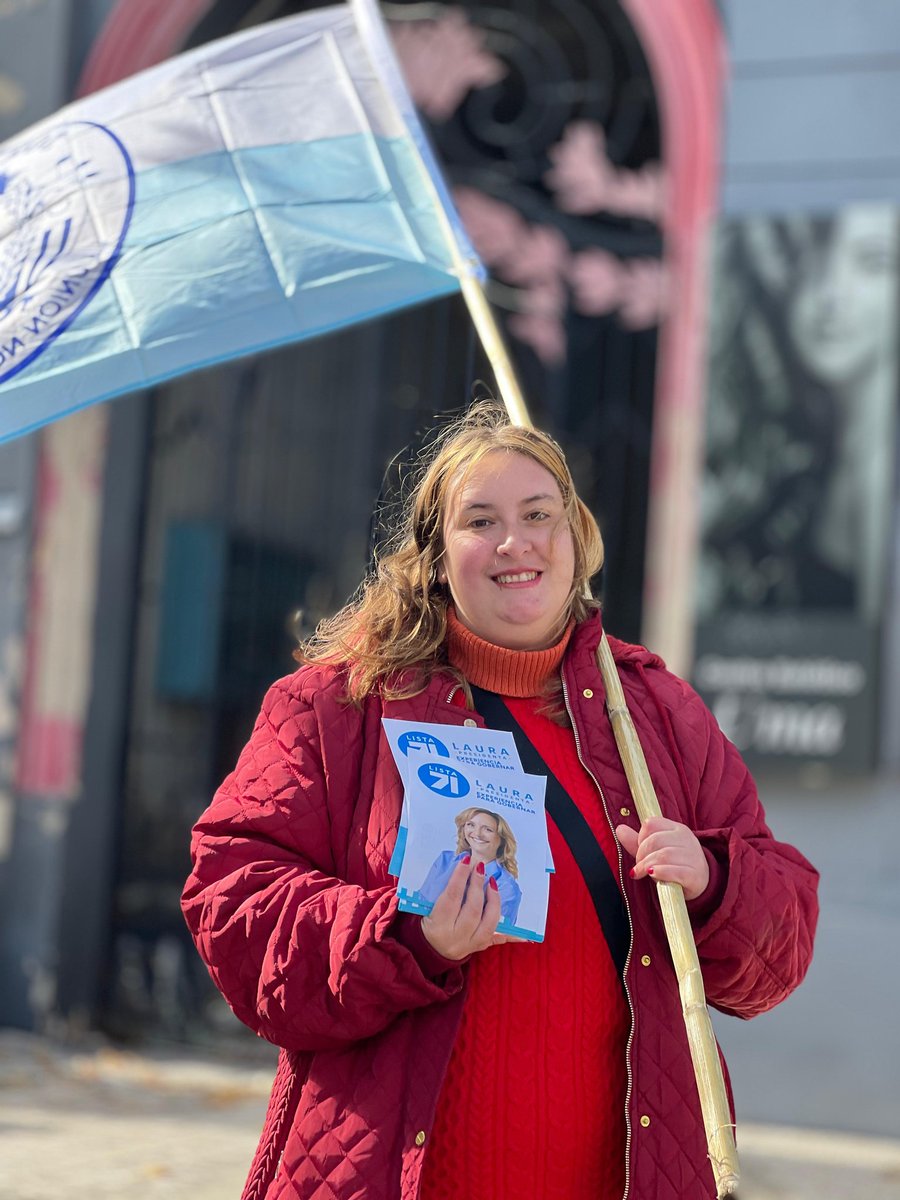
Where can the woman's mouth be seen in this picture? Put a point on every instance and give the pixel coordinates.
(512, 578)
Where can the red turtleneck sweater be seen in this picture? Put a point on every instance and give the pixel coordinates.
(533, 1103)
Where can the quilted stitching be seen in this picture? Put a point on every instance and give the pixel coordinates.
(291, 907)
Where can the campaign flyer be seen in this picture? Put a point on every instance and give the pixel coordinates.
(495, 816)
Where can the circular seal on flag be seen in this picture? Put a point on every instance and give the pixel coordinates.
(66, 199)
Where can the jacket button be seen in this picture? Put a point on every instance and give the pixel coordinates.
(469, 721)
(420, 1138)
(587, 693)
(625, 812)
(645, 960)
(645, 1120)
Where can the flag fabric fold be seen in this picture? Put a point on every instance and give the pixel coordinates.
(262, 189)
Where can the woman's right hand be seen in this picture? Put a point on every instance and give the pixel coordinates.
(465, 914)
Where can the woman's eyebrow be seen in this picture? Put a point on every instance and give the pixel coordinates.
(484, 504)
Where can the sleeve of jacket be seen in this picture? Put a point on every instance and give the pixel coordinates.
(305, 958)
(755, 939)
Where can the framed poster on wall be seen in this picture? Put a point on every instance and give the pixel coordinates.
(802, 382)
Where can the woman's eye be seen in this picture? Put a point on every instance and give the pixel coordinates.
(539, 515)
(479, 523)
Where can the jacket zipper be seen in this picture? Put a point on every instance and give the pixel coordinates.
(629, 1074)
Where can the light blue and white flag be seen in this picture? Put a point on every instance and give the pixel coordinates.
(259, 190)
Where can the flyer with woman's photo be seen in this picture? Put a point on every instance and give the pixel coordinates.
(413, 743)
(493, 816)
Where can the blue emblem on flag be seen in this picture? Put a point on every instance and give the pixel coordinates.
(66, 198)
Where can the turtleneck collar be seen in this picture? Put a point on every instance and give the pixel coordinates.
(497, 669)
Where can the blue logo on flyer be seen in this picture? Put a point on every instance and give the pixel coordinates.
(444, 780)
(66, 199)
(424, 743)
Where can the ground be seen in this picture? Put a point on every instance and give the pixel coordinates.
(93, 1122)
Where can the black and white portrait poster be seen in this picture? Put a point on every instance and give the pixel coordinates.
(801, 401)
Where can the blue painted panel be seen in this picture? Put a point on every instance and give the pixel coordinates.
(848, 119)
(812, 103)
(774, 195)
(763, 31)
(193, 591)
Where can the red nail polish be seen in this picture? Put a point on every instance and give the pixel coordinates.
(467, 860)
(649, 870)
(493, 882)
(480, 868)
(631, 872)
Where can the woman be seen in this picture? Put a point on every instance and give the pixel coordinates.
(483, 838)
(428, 1057)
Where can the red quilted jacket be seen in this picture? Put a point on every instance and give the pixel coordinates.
(293, 911)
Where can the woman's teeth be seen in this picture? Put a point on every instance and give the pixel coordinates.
(522, 577)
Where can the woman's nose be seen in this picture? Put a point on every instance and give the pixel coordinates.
(512, 542)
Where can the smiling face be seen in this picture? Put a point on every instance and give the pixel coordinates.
(482, 837)
(842, 310)
(509, 559)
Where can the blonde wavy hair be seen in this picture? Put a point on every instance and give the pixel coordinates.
(506, 852)
(391, 635)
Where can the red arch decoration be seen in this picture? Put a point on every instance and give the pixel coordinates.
(685, 49)
(138, 34)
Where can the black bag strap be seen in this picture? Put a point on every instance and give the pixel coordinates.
(570, 822)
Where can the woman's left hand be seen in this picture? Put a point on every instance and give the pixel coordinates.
(668, 852)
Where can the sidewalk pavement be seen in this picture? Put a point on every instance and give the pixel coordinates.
(99, 1123)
